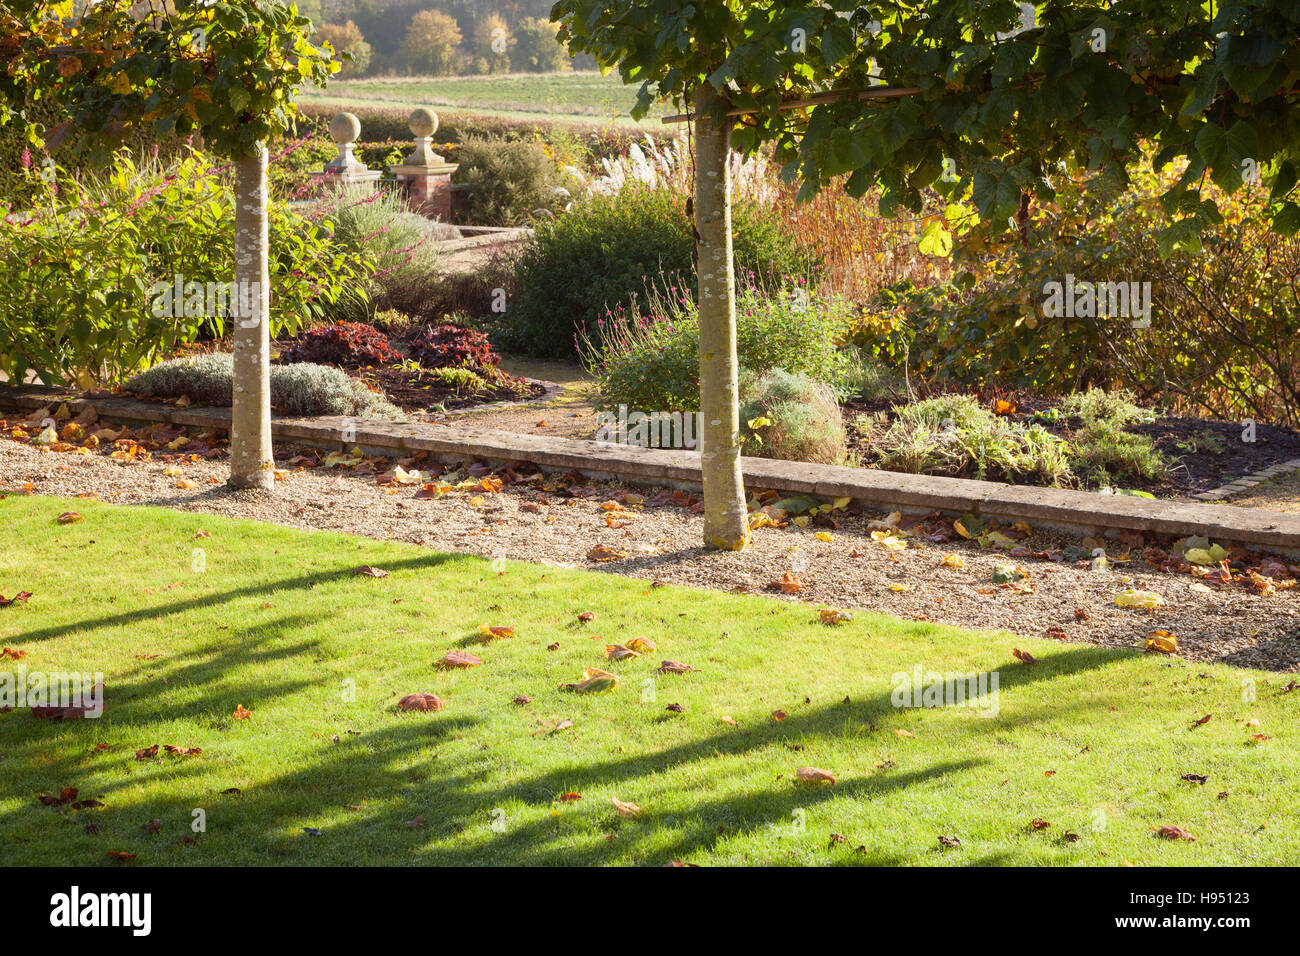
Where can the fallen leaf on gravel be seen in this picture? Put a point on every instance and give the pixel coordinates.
(1145, 600)
(789, 583)
(602, 553)
(642, 644)
(625, 809)
(369, 571)
(1057, 633)
(1162, 642)
(242, 712)
(421, 702)
(1171, 832)
(1023, 656)
(1081, 615)
(594, 681)
(675, 667)
(492, 633)
(459, 659)
(433, 489)
(900, 587)
(950, 841)
(619, 652)
(814, 775)
(953, 561)
(828, 616)
(69, 517)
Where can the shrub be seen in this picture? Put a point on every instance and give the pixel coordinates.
(87, 277)
(620, 241)
(399, 245)
(792, 417)
(955, 435)
(507, 180)
(302, 389)
(464, 380)
(453, 346)
(349, 344)
(1104, 453)
(1097, 406)
(652, 362)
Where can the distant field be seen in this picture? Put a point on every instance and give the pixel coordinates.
(579, 95)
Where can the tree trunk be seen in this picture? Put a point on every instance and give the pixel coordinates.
(726, 523)
(251, 462)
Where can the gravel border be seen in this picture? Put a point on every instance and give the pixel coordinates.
(850, 571)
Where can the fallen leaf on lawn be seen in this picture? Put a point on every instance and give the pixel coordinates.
(493, 633)
(1203, 720)
(594, 681)
(370, 571)
(1023, 656)
(569, 797)
(182, 751)
(814, 775)
(523, 699)
(153, 826)
(1039, 824)
(1145, 600)
(416, 824)
(903, 733)
(830, 616)
(66, 795)
(421, 702)
(148, 753)
(242, 712)
(87, 804)
(1162, 642)
(19, 598)
(121, 855)
(586, 617)
(69, 517)
(602, 553)
(11, 654)
(641, 644)
(460, 659)
(625, 809)
(675, 667)
(1259, 737)
(619, 652)
(778, 715)
(1195, 778)
(1171, 832)
(950, 841)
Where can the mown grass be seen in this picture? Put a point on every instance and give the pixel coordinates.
(278, 623)
(586, 95)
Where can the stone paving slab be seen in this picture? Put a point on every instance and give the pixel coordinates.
(1065, 509)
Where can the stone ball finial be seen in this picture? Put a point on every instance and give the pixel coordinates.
(345, 128)
(423, 122)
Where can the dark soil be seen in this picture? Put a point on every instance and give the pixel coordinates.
(1204, 454)
(420, 391)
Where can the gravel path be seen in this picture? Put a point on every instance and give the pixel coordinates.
(539, 523)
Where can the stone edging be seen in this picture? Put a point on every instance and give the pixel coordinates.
(1065, 509)
(1246, 482)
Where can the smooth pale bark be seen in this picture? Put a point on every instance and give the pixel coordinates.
(251, 462)
(726, 520)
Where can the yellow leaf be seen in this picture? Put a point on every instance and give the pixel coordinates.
(1146, 600)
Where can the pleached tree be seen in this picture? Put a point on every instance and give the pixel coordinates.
(226, 71)
(981, 101)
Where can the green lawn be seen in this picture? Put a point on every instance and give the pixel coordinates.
(581, 95)
(279, 624)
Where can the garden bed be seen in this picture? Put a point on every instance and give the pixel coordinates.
(414, 391)
(1200, 455)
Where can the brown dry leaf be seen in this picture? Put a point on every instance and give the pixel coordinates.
(421, 702)
(416, 824)
(950, 841)
(19, 598)
(903, 733)
(619, 652)
(66, 795)
(153, 826)
(1039, 824)
(789, 584)
(182, 751)
(1081, 615)
(493, 633)
(523, 699)
(586, 617)
(1023, 656)
(148, 753)
(625, 809)
(459, 659)
(1202, 720)
(779, 715)
(569, 797)
(1171, 832)
(12, 654)
(69, 517)
(814, 775)
(1196, 778)
(370, 571)
(829, 616)
(594, 681)
(602, 553)
(728, 720)
(242, 712)
(121, 855)
(675, 667)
